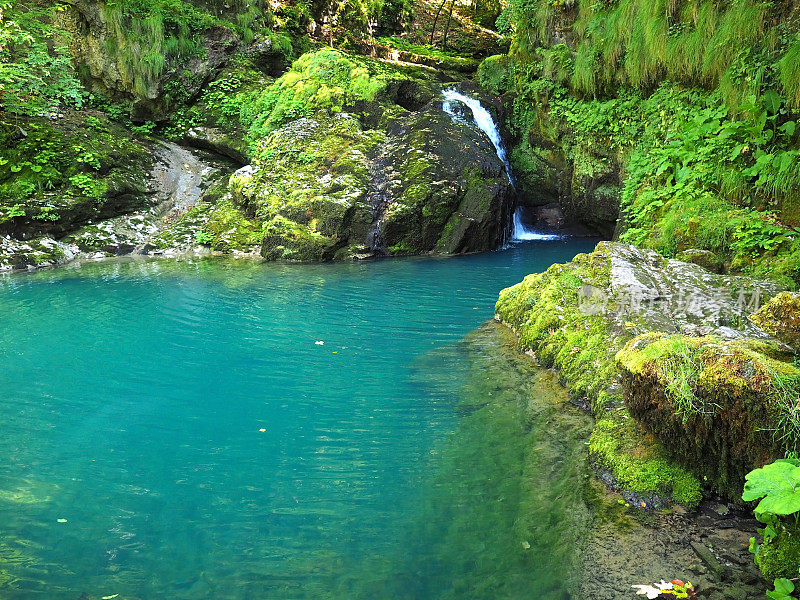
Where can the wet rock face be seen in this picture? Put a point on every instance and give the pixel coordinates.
(673, 296)
(328, 188)
(449, 191)
(218, 141)
(157, 199)
(585, 182)
(94, 34)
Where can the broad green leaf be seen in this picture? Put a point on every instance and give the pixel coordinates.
(784, 586)
(788, 128)
(784, 161)
(772, 101)
(779, 485)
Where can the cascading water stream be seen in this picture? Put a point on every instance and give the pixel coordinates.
(483, 119)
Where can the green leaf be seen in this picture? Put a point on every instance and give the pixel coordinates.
(779, 485)
(783, 589)
(788, 128)
(753, 547)
(772, 101)
(783, 161)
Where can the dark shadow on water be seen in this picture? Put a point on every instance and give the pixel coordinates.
(501, 513)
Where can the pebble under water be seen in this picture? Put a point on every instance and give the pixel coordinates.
(222, 429)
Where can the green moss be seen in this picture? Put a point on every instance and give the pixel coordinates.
(790, 76)
(310, 185)
(780, 317)
(326, 80)
(494, 74)
(722, 407)
(228, 229)
(287, 240)
(781, 556)
(639, 463)
(696, 372)
(544, 310)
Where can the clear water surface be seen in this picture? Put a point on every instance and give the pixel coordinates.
(224, 429)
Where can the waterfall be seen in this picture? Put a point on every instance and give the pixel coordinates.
(483, 119)
(521, 233)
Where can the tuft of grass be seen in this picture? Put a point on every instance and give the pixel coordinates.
(789, 67)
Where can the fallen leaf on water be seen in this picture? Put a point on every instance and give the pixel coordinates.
(526, 544)
(647, 590)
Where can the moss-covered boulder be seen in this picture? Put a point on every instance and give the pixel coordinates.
(723, 407)
(58, 174)
(449, 192)
(781, 317)
(577, 316)
(309, 186)
(352, 158)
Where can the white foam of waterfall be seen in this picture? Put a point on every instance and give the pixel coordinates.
(522, 234)
(483, 119)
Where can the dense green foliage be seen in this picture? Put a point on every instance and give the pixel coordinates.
(145, 35)
(33, 78)
(712, 167)
(326, 80)
(740, 46)
(63, 170)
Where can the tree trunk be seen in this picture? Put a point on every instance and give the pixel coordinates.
(436, 20)
(447, 27)
(330, 23)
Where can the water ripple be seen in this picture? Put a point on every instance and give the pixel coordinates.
(213, 429)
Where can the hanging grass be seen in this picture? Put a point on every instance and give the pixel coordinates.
(789, 67)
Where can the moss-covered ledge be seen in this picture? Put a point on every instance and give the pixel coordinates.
(577, 316)
(724, 407)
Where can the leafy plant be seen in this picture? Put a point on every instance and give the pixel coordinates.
(87, 185)
(778, 484)
(34, 79)
(204, 238)
(783, 590)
